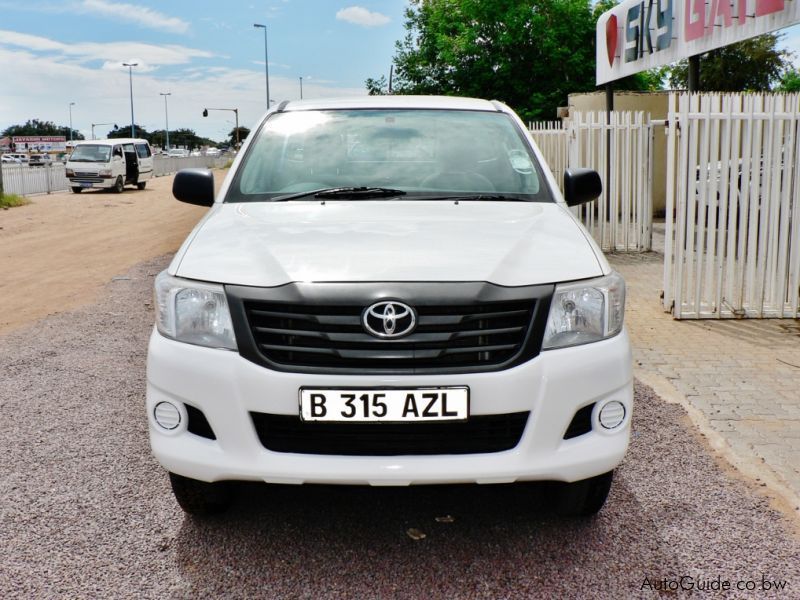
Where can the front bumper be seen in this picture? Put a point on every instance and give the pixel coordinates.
(552, 387)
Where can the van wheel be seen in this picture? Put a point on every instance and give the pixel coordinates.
(119, 185)
(582, 498)
(76, 189)
(200, 498)
(141, 185)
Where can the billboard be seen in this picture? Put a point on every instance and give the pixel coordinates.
(39, 143)
(637, 35)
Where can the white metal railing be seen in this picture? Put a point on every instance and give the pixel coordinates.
(733, 185)
(553, 140)
(25, 180)
(621, 219)
(164, 165)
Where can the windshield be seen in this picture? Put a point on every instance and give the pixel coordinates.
(421, 154)
(90, 153)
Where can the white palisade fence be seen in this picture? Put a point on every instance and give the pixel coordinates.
(553, 140)
(733, 185)
(621, 219)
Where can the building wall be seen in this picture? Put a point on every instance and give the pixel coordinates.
(653, 103)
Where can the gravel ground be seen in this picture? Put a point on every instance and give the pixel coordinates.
(85, 512)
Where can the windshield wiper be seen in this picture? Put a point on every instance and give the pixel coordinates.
(355, 193)
(478, 197)
(349, 193)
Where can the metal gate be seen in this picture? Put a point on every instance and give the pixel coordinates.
(621, 220)
(733, 181)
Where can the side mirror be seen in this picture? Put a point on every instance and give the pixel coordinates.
(581, 185)
(194, 186)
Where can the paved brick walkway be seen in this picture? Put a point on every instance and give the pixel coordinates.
(739, 380)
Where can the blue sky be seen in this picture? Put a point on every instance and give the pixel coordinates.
(207, 54)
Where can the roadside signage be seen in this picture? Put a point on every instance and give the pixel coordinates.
(637, 35)
(40, 143)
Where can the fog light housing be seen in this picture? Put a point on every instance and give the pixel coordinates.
(167, 416)
(611, 415)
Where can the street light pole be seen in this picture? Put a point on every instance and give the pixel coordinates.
(266, 59)
(130, 77)
(301, 88)
(71, 104)
(166, 114)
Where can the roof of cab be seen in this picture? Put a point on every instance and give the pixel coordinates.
(391, 101)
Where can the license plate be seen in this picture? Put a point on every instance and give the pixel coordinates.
(389, 405)
(86, 185)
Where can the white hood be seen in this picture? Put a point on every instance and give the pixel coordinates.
(272, 243)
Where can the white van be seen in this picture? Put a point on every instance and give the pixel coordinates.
(110, 164)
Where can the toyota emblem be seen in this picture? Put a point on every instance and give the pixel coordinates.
(389, 319)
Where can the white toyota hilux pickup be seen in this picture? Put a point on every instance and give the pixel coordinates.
(389, 291)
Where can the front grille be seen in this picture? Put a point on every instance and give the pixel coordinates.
(446, 336)
(480, 434)
(461, 327)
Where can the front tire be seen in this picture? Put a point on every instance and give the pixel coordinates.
(76, 189)
(200, 498)
(583, 498)
(119, 185)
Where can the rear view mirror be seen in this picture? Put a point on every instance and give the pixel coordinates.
(194, 186)
(581, 185)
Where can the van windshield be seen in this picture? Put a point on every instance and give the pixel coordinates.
(90, 153)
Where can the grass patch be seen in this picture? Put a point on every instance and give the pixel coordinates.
(228, 164)
(11, 200)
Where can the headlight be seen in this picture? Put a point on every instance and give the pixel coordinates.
(585, 311)
(70, 173)
(104, 173)
(193, 312)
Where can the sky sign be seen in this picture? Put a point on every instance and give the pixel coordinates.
(637, 35)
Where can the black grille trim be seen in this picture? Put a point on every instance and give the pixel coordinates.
(462, 327)
(479, 435)
(581, 423)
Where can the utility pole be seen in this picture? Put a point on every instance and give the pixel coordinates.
(166, 115)
(71, 104)
(301, 88)
(130, 77)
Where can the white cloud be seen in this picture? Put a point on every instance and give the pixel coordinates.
(111, 53)
(35, 86)
(361, 16)
(140, 15)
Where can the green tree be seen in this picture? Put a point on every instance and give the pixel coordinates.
(124, 131)
(37, 127)
(753, 65)
(243, 133)
(377, 87)
(790, 81)
(527, 53)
